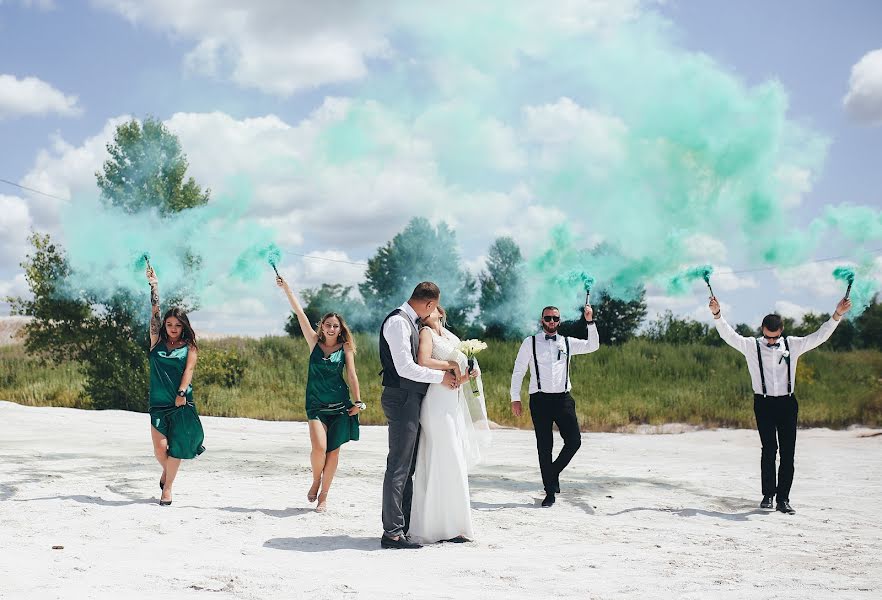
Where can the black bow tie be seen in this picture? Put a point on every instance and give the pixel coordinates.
(551, 337)
(778, 345)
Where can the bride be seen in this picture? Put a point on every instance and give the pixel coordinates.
(454, 430)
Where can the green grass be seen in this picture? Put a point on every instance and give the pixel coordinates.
(639, 382)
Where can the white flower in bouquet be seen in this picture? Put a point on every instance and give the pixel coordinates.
(471, 347)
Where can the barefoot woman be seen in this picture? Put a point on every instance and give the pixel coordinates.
(174, 423)
(333, 418)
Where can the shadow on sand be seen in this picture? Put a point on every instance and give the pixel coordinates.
(695, 512)
(324, 543)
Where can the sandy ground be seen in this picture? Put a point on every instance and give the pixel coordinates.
(641, 516)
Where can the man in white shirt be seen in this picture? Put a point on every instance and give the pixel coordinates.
(547, 357)
(404, 385)
(771, 361)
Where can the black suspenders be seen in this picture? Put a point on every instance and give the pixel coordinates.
(787, 347)
(536, 362)
(759, 358)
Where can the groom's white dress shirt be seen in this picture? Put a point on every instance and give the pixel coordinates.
(552, 358)
(397, 332)
(774, 365)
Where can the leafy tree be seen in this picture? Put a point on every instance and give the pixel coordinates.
(869, 324)
(108, 333)
(500, 289)
(617, 319)
(419, 253)
(146, 169)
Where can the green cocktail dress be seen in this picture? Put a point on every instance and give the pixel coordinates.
(179, 424)
(327, 397)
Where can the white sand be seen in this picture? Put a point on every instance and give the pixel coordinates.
(641, 516)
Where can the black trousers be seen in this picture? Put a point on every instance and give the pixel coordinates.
(559, 409)
(776, 423)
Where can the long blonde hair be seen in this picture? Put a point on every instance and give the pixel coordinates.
(345, 335)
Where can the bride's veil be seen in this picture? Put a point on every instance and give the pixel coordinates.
(477, 438)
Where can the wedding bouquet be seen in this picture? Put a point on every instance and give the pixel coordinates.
(470, 348)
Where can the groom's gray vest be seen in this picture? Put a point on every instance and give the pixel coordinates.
(391, 378)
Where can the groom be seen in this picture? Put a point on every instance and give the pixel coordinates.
(404, 385)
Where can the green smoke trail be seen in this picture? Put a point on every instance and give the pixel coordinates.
(198, 253)
(682, 282)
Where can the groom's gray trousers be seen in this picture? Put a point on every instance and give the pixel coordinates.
(402, 410)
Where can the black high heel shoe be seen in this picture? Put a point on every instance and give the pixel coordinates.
(164, 502)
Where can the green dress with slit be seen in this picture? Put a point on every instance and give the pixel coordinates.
(179, 424)
(327, 397)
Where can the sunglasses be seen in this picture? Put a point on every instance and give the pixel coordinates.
(550, 318)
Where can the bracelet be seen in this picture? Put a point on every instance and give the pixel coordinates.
(716, 314)
(361, 405)
(837, 314)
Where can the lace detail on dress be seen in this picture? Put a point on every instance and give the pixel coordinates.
(446, 347)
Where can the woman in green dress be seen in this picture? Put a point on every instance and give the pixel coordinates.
(333, 417)
(174, 424)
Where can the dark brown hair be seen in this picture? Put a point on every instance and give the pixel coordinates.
(187, 335)
(425, 291)
(549, 308)
(773, 322)
(345, 334)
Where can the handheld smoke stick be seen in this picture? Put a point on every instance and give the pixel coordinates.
(707, 281)
(147, 260)
(587, 296)
(848, 289)
(273, 265)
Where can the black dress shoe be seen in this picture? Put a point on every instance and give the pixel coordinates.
(767, 502)
(549, 500)
(460, 539)
(556, 488)
(784, 507)
(402, 543)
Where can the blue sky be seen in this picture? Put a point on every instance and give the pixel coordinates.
(118, 57)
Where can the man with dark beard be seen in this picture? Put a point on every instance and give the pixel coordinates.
(547, 356)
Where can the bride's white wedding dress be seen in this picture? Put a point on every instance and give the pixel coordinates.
(441, 508)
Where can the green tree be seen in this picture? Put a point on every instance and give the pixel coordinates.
(108, 332)
(419, 253)
(146, 169)
(869, 325)
(617, 320)
(501, 285)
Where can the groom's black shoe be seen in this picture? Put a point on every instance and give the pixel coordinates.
(549, 500)
(767, 502)
(556, 488)
(784, 507)
(402, 543)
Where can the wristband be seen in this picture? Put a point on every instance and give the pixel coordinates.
(182, 393)
(716, 314)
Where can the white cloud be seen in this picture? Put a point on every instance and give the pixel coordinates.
(864, 98)
(791, 310)
(31, 96)
(560, 126)
(277, 46)
(15, 223)
(795, 182)
(815, 278)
